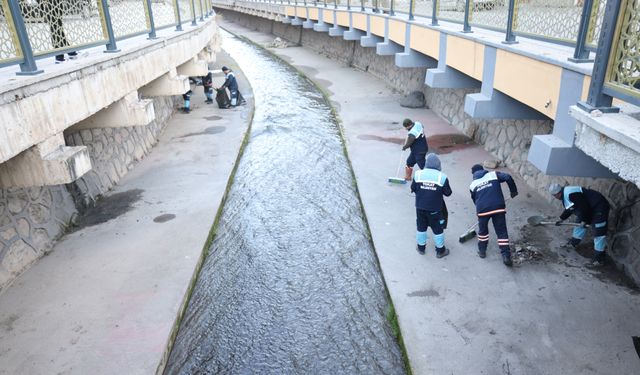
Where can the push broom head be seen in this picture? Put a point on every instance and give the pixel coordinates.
(467, 236)
(397, 180)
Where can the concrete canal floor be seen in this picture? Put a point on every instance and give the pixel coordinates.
(105, 300)
(462, 314)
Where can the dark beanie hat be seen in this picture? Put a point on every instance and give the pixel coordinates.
(476, 167)
(407, 122)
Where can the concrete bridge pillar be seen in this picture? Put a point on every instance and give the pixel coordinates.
(48, 163)
(446, 77)
(128, 111)
(195, 67)
(166, 85)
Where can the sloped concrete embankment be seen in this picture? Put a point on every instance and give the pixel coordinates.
(507, 140)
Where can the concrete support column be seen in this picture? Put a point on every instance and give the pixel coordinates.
(166, 85)
(352, 33)
(370, 40)
(193, 68)
(388, 47)
(128, 111)
(445, 77)
(47, 163)
(411, 58)
(490, 103)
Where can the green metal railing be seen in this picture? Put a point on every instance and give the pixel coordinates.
(622, 78)
(31, 29)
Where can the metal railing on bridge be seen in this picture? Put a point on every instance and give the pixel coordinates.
(32, 29)
(578, 23)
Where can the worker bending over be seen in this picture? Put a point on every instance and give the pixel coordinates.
(590, 207)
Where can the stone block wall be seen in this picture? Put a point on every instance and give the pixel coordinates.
(114, 151)
(507, 140)
(31, 219)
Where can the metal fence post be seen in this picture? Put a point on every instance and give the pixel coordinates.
(178, 16)
(597, 99)
(393, 5)
(193, 11)
(581, 54)
(152, 25)
(412, 4)
(28, 65)
(510, 37)
(106, 13)
(201, 11)
(348, 4)
(466, 28)
(434, 13)
(361, 5)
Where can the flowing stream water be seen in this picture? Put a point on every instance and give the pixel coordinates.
(291, 284)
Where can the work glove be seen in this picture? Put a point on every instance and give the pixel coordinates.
(514, 194)
(404, 148)
(583, 224)
(559, 222)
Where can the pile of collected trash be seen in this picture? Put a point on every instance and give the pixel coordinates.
(278, 43)
(525, 253)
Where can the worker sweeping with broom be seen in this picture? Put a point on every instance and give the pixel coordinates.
(430, 186)
(417, 142)
(486, 193)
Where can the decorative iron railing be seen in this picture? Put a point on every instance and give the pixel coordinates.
(611, 28)
(32, 29)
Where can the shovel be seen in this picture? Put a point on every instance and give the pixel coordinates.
(539, 220)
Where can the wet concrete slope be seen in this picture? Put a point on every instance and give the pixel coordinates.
(291, 284)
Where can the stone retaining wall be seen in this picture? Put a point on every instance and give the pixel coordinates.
(507, 140)
(113, 151)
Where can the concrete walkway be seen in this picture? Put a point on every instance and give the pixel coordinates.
(105, 300)
(462, 314)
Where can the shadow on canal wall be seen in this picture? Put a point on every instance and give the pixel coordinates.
(508, 140)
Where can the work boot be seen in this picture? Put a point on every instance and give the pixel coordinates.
(421, 249)
(408, 173)
(442, 252)
(597, 260)
(506, 259)
(573, 242)
(482, 254)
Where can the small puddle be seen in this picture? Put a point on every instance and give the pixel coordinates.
(163, 218)
(213, 118)
(108, 208)
(209, 130)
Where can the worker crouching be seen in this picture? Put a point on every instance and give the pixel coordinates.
(591, 208)
(430, 185)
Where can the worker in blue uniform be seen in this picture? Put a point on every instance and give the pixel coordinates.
(417, 142)
(486, 193)
(231, 83)
(590, 208)
(430, 185)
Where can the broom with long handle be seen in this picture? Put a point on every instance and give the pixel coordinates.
(471, 232)
(398, 180)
